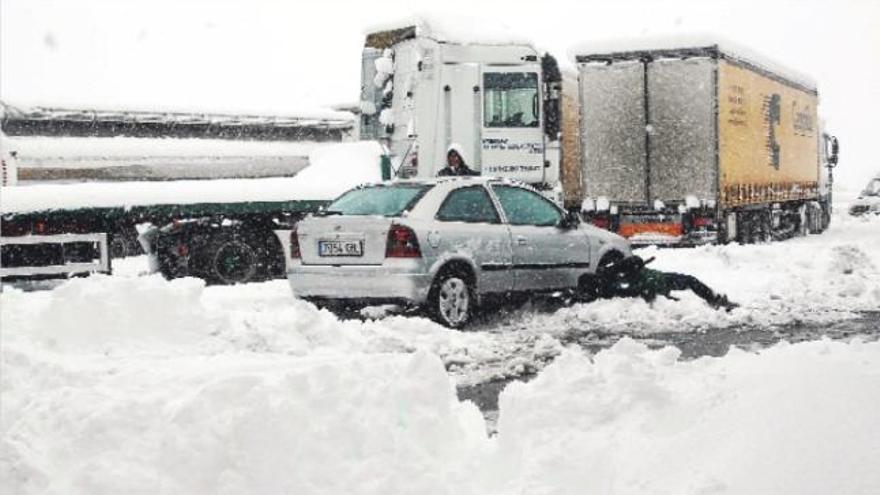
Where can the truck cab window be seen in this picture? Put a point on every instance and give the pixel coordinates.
(511, 99)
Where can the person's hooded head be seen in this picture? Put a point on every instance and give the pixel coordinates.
(455, 156)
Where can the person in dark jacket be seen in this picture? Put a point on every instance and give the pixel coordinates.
(455, 164)
(630, 278)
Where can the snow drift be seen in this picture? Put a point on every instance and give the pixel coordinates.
(227, 391)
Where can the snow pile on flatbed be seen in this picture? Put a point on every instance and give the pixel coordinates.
(140, 385)
(58, 149)
(333, 170)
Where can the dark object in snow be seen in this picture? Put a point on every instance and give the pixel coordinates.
(455, 163)
(630, 278)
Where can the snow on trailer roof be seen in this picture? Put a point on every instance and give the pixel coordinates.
(445, 28)
(333, 170)
(675, 46)
(327, 118)
(77, 148)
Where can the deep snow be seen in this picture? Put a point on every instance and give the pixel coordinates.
(136, 384)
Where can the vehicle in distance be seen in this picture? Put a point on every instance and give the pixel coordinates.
(869, 200)
(443, 245)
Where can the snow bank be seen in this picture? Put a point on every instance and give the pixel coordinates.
(274, 396)
(235, 424)
(691, 40)
(790, 419)
(333, 170)
(810, 279)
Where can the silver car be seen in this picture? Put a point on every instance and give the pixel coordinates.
(443, 245)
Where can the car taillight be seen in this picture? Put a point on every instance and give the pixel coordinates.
(294, 245)
(402, 243)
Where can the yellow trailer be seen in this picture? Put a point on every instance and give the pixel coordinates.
(697, 145)
(768, 138)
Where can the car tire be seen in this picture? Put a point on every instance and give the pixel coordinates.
(451, 299)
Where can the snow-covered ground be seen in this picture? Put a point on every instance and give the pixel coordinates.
(133, 384)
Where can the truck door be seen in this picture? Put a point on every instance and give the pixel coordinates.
(512, 136)
(460, 113)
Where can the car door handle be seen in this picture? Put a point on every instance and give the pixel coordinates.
(521, 240)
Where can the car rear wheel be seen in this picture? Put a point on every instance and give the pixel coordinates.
(451, 300)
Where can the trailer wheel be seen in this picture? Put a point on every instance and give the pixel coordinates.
(231, 260)
(803, 227)
(765, 226)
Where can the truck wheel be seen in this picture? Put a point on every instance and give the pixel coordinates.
(230, 260)
(802, 227)
(765, 226)
(743, 228)
(451, 300)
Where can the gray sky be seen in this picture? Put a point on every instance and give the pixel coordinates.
(284, 57)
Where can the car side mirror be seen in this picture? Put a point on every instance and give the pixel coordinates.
(570, 220)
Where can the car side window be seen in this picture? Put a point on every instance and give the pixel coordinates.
(524, 207)
(468, 204)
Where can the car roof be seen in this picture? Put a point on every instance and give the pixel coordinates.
(451, 180)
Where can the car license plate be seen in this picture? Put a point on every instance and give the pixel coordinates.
(340, 248)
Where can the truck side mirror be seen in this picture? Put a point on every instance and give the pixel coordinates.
(552, 79)
(832, 149)
(569, 220)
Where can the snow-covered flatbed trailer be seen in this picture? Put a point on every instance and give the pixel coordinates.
(220, 242)
(220, 230)
(691, 146)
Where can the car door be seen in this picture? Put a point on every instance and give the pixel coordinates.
(469, 226)
(545, 256)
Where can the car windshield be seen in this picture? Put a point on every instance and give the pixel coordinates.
(873, 188)
(384, 200)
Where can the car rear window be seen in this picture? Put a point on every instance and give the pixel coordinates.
(384, 200)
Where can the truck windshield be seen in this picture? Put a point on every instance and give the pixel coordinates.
(384, 200)
(511, 99)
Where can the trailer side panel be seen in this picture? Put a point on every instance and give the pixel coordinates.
(768, 142)
(681, 129)
(613, 130)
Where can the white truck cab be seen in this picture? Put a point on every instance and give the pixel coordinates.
(499, 101)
